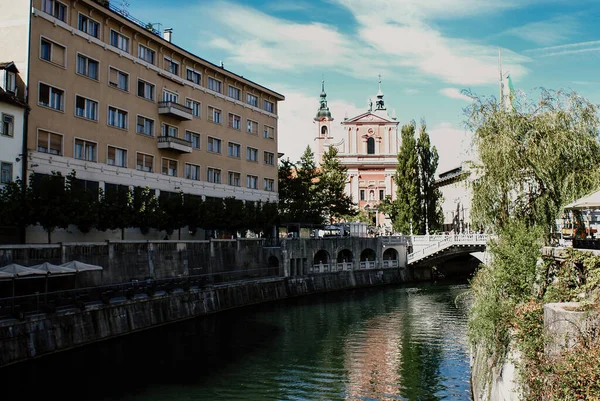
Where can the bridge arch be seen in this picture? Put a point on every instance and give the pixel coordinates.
(345, 255)
(368, 255)
(390, 254)
(321, 257)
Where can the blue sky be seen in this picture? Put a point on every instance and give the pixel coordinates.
(427, 51)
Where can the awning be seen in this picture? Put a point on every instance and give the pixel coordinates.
(591, 201)
(51, 269)
(15, 271)
(78, 266)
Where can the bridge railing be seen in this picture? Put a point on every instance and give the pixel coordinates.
(447, 241)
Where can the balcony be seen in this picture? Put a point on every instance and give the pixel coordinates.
(173, 109)
(174, 143)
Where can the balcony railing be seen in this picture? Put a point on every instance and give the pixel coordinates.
(174, 143)
(175, 109)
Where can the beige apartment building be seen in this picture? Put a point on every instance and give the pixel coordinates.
(121, 104)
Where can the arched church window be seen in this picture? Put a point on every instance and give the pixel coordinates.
(370, 146)
(324, 131)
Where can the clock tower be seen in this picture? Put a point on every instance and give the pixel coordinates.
(323, 120)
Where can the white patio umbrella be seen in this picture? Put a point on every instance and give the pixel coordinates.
(591, 201)
(16, 271)
(52, 270)
(78, 267)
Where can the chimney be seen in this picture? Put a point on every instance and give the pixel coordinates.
(167, 34)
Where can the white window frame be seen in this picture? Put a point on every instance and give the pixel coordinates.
(165, 130)
(239, 92)
(78, 54)
(53, 43)
(199, 83)
(255, 123)
(86, 141)
(194, 102)
(209, 81)
(192, 133)
(142, 169)
(147, 118)
(266, 135)
(265, 102)
(140, 46)
(239, 177)
(235, 146)
(162, 159)
(64, 95)
(118, 109)
(170, 60)
(108, 146)
(10, 82)
(265, 154)
(91, 100)
(251, 178)
(62, 141)
(271, 181)
(208, 146)
(122, 36)
(249, 96)
(198, 170)
(52, 2)
(10, 134)
(251, 151)
(173, 95)
(146, 83)
(116, 86)
(214, 170)
(12, 172)
(232, 125)
(79, 15)
(211, 115)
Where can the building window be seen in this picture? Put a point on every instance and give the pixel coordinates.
(49, 143)
(144, 126)
(117, 117)
(88, 25)
(371, 146)
(6, 172)
(118, 79)
(169, 130)
(268, 106)
(119, 41)
(85, 150)
(252, 127)
(194, 138)
(7, 127)
(145, 90)
(234, 150)
(169, 167)
(194, 76)
(235, 93)
(171, 66)
(169, 96)
(235, 121)
(87, 67)
(86, 108)
(55, 8)
(52, 52)
(10, 82)
(195, 106)
(251, 154)
(251, 181)
(146, 54)
(234, 179)
(269, 132)
(269, 158)
(362, 194)
(214, 85)
(213, 175)
(381, 194)
(145, 162)
(116, 157)
(214, 145)
(214, 115)
(251, 100)
(269, 185)
(192, 172)
(372, 195)
(52, 97)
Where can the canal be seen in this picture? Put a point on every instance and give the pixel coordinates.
(387, 343)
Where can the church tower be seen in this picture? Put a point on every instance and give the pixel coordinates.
(323, 120)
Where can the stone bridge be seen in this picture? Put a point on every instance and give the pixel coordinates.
(437, 249)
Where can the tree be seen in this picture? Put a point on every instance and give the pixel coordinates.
(534, 158)
(171, 215)
(49, 202)
(407, 205)
(14, 205)
(334, 202)
(145, 207)
(431, 197)
(116, 209)
(83, 203)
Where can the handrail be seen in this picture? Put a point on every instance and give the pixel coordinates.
(446, 242)
(174, 139)
(175, 105)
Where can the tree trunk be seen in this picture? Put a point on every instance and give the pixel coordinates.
(122, 233)
(49, 236)
(179, 233)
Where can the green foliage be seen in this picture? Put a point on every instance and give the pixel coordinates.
(145, 206)
(14, 205)
(116, 210)
(334, 202)
(407, 204)
(533, 159)
(83, 204)
(49, 202)
(430, 197)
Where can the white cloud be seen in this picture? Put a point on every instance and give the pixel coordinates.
(548, 32)
(563, 50)
(411, 91)
(453, 145)
(454, 93)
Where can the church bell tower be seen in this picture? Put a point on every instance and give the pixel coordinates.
(323, 120)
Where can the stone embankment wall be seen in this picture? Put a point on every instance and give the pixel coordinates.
(44, 334)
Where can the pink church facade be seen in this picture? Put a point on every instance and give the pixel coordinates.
(369, 149)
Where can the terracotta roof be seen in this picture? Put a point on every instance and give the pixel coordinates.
(12, 99)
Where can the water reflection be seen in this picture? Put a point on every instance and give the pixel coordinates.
(392, 343)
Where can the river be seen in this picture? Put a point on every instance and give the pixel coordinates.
(386, 343)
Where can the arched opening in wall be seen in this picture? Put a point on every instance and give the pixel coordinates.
(324, 131)
(371, 146)
(321, 261)
(273, 265)
(344, 256)
(368, 255)
(390, 254)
